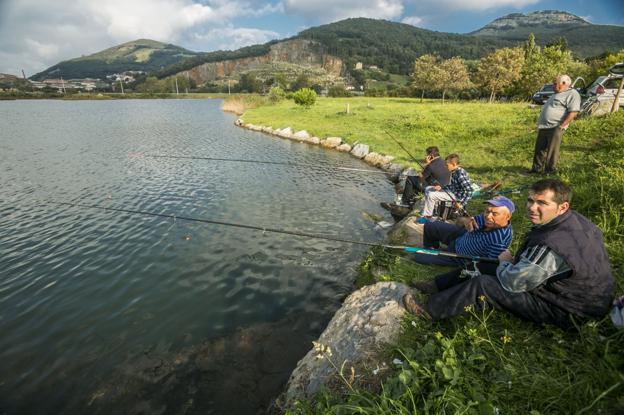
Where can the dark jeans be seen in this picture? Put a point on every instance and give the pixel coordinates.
(546, 153)
(412, 188)
(457, 293)
(436, 233)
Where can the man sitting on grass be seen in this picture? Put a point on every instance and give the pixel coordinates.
(485, 235)
(561, 270)
(459, 191)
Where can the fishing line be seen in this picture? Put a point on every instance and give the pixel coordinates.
(408, 249)
(282, 163)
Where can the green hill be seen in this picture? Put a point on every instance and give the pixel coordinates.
(139, 55)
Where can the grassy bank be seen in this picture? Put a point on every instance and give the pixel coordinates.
(487, 362)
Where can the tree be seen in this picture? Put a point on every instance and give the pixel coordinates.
(499, 70)
(152, 85)
(542, 67)
(301, 82)
(249, 83)
(305, 97)
(276, 94)
(453, 76)
(426, 73)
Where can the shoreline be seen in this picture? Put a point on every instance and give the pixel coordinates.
(361, 304)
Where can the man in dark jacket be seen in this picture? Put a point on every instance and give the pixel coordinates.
(435, 172)
(561, 270)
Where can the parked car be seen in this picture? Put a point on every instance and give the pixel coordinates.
(541, 96)
(605, 88)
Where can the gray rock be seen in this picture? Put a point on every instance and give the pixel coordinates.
(345, 148)
(409, 172)
(377, 160)
(360, 150)
(284, 132)
(314, 140)
(301, 135)
(332, 142)
(369, 319)
(394, 171)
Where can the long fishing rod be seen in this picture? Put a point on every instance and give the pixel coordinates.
(457, 204)
(408, 249)
(283, 163)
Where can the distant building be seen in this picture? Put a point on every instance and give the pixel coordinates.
(373, 67)
(359, 66)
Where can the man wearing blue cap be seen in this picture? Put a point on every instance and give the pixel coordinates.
(562, 270)
(485, 235)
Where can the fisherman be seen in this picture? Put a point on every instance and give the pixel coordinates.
(485, 235)
(434, 172)
(459, 191)
(561, 271)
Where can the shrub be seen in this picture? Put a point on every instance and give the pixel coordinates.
(305, 97)
(338, 91)
(276, 94)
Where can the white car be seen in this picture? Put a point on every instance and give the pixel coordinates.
(605, 88)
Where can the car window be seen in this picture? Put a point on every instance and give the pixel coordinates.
(548, 88)
(613, 83)
(597, 81)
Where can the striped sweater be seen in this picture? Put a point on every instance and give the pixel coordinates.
(484, 243)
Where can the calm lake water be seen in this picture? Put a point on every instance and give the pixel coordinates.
(105, 312)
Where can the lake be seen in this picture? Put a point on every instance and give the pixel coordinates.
(114, 312)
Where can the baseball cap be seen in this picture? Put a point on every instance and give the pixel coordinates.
(502, 201)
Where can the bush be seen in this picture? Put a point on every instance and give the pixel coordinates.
(276, 94)
(305, 97)
(338, 91)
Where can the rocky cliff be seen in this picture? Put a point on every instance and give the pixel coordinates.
(301, 52)
(537, 20)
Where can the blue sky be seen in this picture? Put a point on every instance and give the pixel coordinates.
(35, 34)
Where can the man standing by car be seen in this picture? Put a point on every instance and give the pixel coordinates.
(556, 115)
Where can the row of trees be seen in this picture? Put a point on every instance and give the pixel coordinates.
(513, 72)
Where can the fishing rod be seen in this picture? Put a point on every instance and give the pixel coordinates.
(264, 162)
(457, 204)
(405, 248)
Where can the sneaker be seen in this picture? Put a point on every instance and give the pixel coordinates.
(385, 205)
(412, 306)
(425, 287)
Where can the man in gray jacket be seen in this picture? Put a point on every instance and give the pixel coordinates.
(556, 115)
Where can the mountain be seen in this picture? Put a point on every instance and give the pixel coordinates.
(583, 38)
(139, 55)
(390, 46)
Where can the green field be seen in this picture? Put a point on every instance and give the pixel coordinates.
(491, 362)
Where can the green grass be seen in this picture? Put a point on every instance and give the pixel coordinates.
(484, 362)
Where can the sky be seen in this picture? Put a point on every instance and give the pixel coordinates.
(36, 34)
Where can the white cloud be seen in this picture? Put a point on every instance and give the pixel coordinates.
(331, 10)
(413, 20)
(35, 34)
(231, 38)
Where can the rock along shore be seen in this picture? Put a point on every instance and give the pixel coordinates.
(348, 352)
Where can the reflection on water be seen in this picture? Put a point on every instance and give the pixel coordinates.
(89, 298)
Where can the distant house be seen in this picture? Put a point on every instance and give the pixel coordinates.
(359, 65)
(373, 67)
